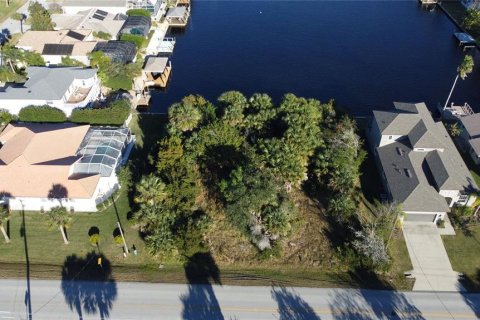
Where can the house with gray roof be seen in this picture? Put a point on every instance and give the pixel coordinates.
(470, 136)
(65, 88)
(419, 164)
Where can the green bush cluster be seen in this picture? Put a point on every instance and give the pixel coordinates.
(139, 12)
(115, 114)
(102, 35)
(43, 113)
(139, 41)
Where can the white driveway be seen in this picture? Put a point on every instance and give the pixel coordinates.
(431, 267)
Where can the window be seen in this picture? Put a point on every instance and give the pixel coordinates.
(390, 137)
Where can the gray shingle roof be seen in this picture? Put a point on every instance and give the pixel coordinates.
(475, 144)
(472, 125)
(46, 83)
(395, 163)
(415, 177)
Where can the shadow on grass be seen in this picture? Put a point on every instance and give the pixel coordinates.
(291, 305)
(200, 302)
(88, 285)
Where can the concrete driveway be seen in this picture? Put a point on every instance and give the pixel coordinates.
(431, 266)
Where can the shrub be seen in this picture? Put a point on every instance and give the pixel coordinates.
(125, 177)
(115, 114)
(43, 113)
(139, 12)
(139, 41)
(5, 117)
(102, 35)
(94, 239)
(118, 240)
(70, 62)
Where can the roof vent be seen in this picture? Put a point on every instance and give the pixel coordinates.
(408, 173)
(400, 151)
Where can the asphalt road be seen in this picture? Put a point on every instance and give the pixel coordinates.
(94, 300)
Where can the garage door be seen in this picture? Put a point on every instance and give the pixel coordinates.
(420, 217)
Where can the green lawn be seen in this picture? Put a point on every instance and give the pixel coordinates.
(463, 251)
(118, 83)
(6, 12)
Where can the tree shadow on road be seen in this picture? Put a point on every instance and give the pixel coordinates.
(472, 298)
(372, 304)
(291, 306)
(88, 285)
(200, 302)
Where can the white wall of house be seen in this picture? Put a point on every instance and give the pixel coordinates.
(45, 204)
(15, 105)
(57, 59)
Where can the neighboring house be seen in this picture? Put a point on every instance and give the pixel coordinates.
(471, 4)
(178, 16)
(118, 51)
(152, 6)
(137, 25)
(93, 19)
(46, 165)
(420, 166)
(65, 88)
(470, 128)
(54, 45)
(112, 6)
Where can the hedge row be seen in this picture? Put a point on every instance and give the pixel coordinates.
(115, 114)
(41, 114)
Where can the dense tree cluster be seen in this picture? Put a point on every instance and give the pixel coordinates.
(39, 16)
(245, 156)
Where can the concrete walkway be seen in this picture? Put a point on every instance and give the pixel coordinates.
(431, 266)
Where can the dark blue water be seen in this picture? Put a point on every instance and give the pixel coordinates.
(363, 54)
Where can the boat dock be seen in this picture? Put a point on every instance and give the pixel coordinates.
(455, 112)
(464, 39)
(159, 43)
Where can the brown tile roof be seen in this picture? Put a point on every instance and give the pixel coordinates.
(35, 157)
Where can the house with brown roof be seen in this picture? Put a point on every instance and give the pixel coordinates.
(47, 165)
(56, 44)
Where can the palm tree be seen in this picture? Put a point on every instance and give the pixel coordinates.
(59, 218)
(150, 190)
(184, 116)
(463, 70)
(4, 217)
(19, 17)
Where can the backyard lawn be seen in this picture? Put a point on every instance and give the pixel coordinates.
(6, 12)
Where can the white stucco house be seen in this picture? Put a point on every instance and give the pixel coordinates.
(64, 88)
(46, 165)
(419, 164)
(111, 6)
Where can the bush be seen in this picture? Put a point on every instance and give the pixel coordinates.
(70, 62)
(102, 35)
(94, 239)
(139, 12)
(139, 41)
(115, 114)
(43, 113)
(6, 117)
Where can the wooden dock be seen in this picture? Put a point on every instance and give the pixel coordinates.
(455, 112)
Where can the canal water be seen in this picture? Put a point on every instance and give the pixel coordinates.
(362, 54)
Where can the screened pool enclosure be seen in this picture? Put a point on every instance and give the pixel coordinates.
(102, 151)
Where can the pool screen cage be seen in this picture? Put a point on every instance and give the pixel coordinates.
(102, 151)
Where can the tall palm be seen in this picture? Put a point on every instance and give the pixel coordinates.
(19, 17)
(184, 116)
(4, 217)
(463, 70)
(150, 190)
(59, 218)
